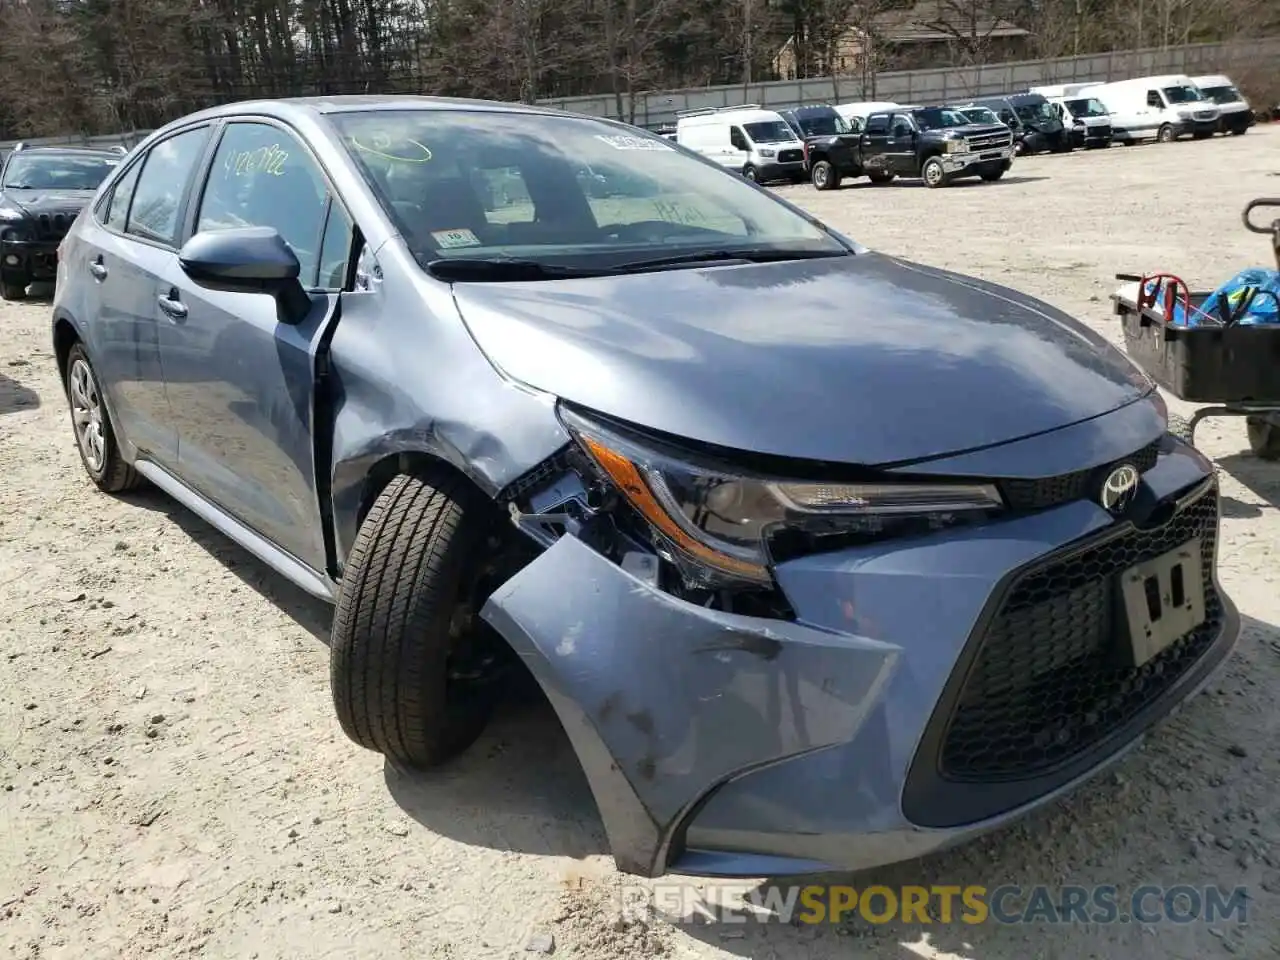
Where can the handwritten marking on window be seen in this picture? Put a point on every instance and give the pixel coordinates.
(676, 212)
(269, 160)
(381, 145)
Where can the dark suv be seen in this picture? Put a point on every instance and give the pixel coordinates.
(830, 144)
(42, 190)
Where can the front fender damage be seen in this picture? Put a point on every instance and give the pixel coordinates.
(664, 700)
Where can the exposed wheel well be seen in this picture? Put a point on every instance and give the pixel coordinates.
(412, 462)
(64, 338)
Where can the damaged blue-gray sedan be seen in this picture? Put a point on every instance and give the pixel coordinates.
(824, 559)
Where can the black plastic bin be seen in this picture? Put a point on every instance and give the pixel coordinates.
(1206, 364)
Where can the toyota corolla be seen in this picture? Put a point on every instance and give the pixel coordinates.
(824, 558)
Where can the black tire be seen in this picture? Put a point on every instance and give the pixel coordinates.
(1020, 148)
(992, 175)
(414, 557)
(1165, 134)
(1181, 428)
(1264, 437)
(879, 176)
(824, 176)
(934, 174)
(751, 173)
(1239, 131)
(100, 455)
(13, 289)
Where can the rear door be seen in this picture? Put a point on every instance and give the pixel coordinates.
(875, 143)
(243, 382)
(130, 248)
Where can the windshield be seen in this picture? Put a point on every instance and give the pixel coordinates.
(57, 172)
(1035, 112)
(769, 131)
(1182, 94)
(563, 190)
(981, 115)
(1221, 94)
(823, 124)
(1088, 107)
(934, 118)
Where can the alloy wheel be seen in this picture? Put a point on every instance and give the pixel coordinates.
(86, 415)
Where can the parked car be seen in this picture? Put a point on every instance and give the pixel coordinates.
(757, 143)
(1035, 123)
(1161, 108)
(823, 558)
(42, 190)
(937, 144)
(1235, 116)
(830, 144)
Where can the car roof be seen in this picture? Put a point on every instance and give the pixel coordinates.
(813, 108)
(65, 152)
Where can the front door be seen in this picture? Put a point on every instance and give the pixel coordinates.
(241, 382)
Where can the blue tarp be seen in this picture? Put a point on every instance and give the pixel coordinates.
(1265, 307)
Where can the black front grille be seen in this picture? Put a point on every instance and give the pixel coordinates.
(1100, 132)
(790, 156)
(989, 141)
(1049, 681)
(53, 226)
(1026, 495)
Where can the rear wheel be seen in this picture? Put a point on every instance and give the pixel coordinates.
(1264, 437)
(824, 176)
(934, 173)
(13, 288)
(95, 437)
(404, 660)
(1165, 134)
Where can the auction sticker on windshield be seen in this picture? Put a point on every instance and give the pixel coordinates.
(452, 239)
(623, 141)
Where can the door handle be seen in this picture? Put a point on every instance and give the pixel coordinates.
(172, 306)
(98, 270)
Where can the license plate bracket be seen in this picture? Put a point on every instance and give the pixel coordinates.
(1163, 599)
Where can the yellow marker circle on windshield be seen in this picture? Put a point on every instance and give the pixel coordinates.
(410, 151)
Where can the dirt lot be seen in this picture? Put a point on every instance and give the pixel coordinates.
(173, 782)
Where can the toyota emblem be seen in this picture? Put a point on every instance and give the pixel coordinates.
(1119, 489)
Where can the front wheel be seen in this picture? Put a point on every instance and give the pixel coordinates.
(91, 424)
(1264, 437)
(934, 173)
(402, 623)
(1239, 131)
(13, 288)
(824, 176)
(751, 173)
(1165, 134)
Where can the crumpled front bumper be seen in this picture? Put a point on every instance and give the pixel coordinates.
(721, 744)
(29, 258)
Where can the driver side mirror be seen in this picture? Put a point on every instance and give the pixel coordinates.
(248, 260)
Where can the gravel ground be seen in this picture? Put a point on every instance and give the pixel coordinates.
(173, 782)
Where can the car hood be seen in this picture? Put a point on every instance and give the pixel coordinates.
(49, 201)
(977, 129)
(861, 359)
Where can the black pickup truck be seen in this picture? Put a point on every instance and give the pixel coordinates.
(830, 144)
(936, 144)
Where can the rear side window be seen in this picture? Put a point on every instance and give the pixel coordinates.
(118, 206)
(157, 197)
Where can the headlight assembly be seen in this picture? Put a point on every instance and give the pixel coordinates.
(722, 522)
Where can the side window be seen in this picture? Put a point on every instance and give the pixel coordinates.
(878, 126)
(504, 194)
(738, 139)
(118, 204)
(1007, 116)
(262, 177)
(335, 250)
(1154, 100)
(902, 127)
(153, 215)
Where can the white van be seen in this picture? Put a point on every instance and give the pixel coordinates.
(1085, 117)
(1236, 116)
(1156, 108)
(757, 143)
(856, 113)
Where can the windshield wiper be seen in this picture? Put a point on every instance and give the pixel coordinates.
(724, 256)
(489, 269)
